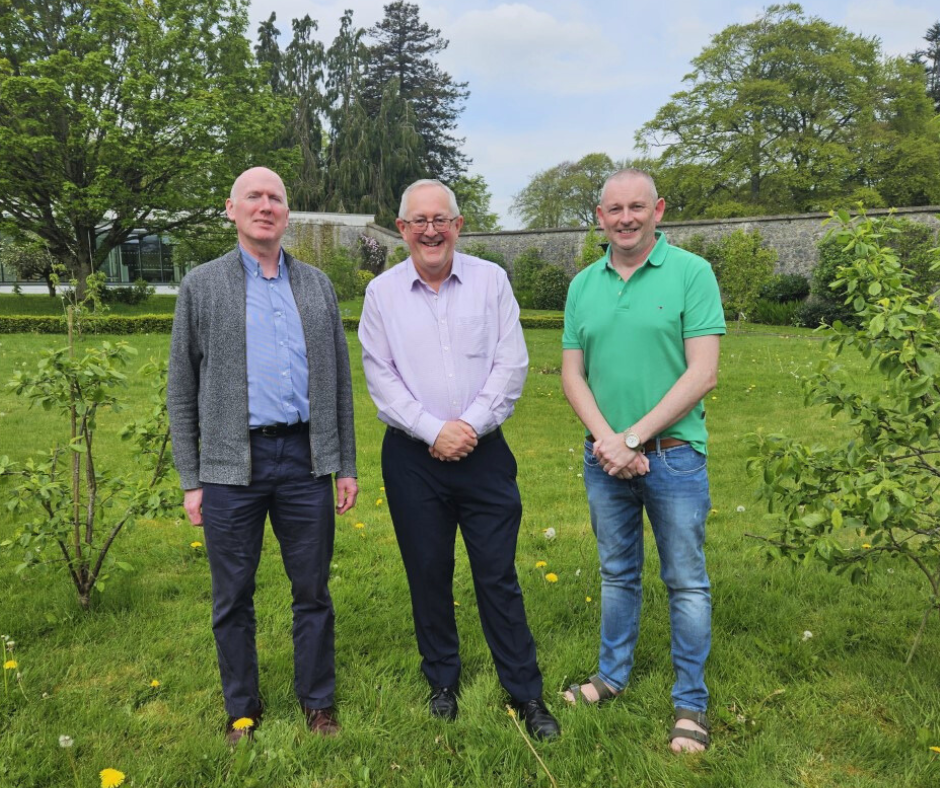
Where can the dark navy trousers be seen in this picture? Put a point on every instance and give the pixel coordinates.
(302, 516)
(428, 499)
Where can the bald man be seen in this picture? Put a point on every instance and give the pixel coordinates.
(640, 351)
(261, 414)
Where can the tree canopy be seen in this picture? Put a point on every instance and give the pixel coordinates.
(473, 199)
(121, 115)
(565, 195)
(790, 113)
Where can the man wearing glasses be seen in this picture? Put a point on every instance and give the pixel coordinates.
(445, 362)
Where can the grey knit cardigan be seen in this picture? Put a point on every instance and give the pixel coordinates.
(207, 389)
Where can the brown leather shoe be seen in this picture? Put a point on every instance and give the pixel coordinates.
(322, 722)
(238, 727)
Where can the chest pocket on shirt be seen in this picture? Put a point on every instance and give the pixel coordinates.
(474, 335)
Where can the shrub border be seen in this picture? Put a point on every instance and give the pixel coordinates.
(162, 324)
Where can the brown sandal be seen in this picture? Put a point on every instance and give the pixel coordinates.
(604, 693)
(699, 718)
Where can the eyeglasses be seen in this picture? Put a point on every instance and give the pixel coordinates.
(439, 223)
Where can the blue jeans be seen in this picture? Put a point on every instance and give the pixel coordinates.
(675, 496)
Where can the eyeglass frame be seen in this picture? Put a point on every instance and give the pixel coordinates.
(412, 224)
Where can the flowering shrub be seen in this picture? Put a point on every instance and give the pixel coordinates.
(372, 254)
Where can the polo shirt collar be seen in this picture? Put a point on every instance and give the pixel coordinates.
(253, 267)
(656, 256)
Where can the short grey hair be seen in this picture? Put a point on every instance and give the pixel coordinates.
(632, 172)
(452, 198)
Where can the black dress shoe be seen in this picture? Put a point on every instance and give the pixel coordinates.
(443, 702)
(539, 721)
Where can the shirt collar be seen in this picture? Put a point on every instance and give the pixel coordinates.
(253, 267)
(655, 258)
(456, 271)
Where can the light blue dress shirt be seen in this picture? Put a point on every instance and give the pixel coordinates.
(278, 374)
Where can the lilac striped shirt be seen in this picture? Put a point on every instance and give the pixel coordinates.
(436, 357)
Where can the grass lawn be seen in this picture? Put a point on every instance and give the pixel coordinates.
(838, 708)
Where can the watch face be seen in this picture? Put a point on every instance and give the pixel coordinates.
(632, 440)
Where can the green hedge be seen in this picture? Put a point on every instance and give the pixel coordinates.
(161, 324)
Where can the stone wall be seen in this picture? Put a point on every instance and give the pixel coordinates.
(794, 237)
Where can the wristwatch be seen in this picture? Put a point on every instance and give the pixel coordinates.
(632, 440)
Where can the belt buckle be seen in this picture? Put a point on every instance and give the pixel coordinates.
(269, 430)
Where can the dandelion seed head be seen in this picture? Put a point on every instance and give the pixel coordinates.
(740, 509)
(66, 741)
(807, 635)
(549, 533)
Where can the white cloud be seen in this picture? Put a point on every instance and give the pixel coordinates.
(514, 47)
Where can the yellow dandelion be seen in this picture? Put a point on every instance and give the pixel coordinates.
(588, 599)
(382, 489)
(512, 713)
(243, 724)
(359, 525)
(155, 683)
(540, 564)
(935, 749)
(713, 511)
(867, 546)
(378, 501)
(195, 545)
(10, 664)
(714, 398)
(456, 603)
(111, 778)
(551, 577)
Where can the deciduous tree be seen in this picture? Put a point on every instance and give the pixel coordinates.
(473, 198)
(121, 115)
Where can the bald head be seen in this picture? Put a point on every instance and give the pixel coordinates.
(629, 174)
(252, 176)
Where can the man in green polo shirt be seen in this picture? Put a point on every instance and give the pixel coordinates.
(640, 351)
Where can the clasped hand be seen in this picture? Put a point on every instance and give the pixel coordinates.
(617, 460)
(454, 442)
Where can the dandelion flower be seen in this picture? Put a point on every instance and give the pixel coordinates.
(155, 683)
(935, 749)
(66, 741)
(10, 664)
(540, 564)
(243, 724)
(456, 603)
(512, 713)
(111, 778)
(551, 577)
(382, 489)
(713, 511)
(195, 545)
(714, 398)
(588, 599)
(378, 501)
(867, 546)
(359, 525)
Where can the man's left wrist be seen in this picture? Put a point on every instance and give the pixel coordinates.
(632, 441)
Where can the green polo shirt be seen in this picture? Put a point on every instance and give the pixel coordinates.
(632, 333)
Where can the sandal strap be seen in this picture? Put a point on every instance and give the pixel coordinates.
(689, 733)
(698, 717)
(603, 691)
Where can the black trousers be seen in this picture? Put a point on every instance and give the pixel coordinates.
(427, 500)
(302, 516)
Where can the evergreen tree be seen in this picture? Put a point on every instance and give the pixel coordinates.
(929, 58)
(404, 51)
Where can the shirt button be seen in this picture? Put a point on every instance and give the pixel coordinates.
(284, 374)
(443, 321)
(446, 348)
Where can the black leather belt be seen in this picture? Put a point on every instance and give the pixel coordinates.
(279, 430)
(497, 433)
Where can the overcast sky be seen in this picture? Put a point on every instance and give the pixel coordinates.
(553, 80)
